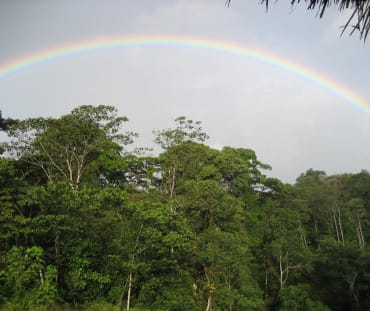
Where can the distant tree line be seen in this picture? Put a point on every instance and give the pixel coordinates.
(86, 224)
(5, 123)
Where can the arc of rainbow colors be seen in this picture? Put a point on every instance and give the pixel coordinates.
(182, 41)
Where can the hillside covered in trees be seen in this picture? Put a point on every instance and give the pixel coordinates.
(86, 224)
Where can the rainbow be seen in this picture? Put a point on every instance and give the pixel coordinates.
(182, 41)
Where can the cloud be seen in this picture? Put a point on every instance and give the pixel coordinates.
(186, 17)
(292, 123)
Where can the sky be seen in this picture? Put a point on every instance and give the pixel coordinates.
(292, 123)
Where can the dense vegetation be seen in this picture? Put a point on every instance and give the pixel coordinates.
(85, 222)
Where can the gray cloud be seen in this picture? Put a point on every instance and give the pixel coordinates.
(292, 123)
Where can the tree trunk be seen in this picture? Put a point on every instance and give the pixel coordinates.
(336, 226)
(281, 271)
(41, 276)
(57, 257)
(351, 282)
(209, 303)
(303, 236)
(121, 308)
(361, 234)
(129, 291)
(340, 224)
(266, 284)
(315, 223)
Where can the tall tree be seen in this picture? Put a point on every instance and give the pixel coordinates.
(63, 148)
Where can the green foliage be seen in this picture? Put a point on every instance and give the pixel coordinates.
(62, 149)
(30, 282)
(297, 298)
(84, 283)
(86, 225)
(186, 130)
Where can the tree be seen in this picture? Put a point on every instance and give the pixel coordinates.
(360, 12)
(62, 149)
(287, 249)
(154, 241)
(310, 198)
(299, 298)
(185, 130)
(13, 195)
(357, 215)
(241, 172)
(6, 123)
(194, 228)
(32, 283)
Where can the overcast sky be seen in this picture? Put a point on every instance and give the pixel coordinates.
(292, 123)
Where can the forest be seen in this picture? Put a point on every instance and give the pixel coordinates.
(86, 223)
